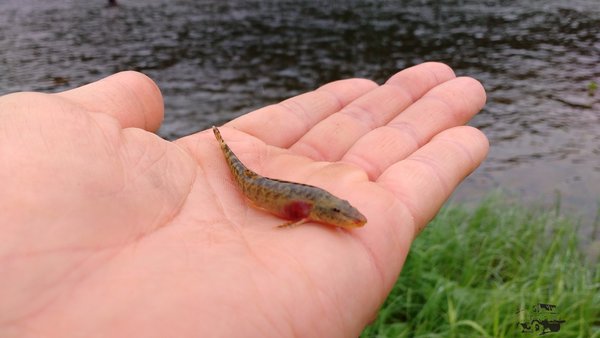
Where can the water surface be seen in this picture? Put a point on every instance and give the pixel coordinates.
(216, 60)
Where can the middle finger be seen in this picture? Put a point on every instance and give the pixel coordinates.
(450, 104)
(331, 138)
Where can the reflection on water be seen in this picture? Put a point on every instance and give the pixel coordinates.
(215, 60)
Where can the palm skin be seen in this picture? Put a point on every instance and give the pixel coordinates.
(109, 231)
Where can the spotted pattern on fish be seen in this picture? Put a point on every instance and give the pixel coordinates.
(295, 202)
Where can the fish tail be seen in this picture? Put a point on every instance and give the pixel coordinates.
(238, 169)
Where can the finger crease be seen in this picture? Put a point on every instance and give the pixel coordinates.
(447, 107)
(361, 114)
(408, 129)
(460, 146)
(434, 169)
(317, 154)
(298, 111)
(339, 102)
(401, 87)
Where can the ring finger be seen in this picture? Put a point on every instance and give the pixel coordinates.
(450, 104)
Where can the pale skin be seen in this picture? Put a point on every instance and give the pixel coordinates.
(108, 230)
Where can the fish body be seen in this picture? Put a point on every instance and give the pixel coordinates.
(295, 202)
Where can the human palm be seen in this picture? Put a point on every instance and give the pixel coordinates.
(108, 230)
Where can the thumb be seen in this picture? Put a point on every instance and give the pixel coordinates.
(130, 97)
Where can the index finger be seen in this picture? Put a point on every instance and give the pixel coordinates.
(285, 123)
(130, 97)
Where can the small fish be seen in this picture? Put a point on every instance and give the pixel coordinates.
(296, 202)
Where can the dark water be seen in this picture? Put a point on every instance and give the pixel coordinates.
(215, 60)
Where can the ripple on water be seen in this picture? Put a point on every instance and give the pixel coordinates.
(217, 60)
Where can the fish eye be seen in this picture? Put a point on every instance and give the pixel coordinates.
(335, 210)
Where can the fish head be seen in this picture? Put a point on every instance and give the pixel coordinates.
(337, 212)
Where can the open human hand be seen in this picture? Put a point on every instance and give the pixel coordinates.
(108, 230)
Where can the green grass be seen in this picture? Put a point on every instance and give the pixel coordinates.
(471, 271)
